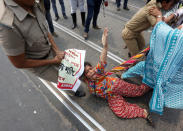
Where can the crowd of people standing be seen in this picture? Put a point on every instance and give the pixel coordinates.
(93, 9)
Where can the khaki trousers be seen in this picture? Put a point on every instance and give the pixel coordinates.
(134, 41)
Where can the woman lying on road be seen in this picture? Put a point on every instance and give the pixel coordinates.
(114, 89)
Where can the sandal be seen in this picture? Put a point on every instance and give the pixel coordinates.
(149, 120)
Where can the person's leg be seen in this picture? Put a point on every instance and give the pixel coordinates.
(74, 19)
(129, 90)
(55, 9)
(141, 42)
(118, 3)
(96, 12)
(90, 7)
(82, 10)
(124, 109)
(130, 41)
(83, 18)
(125, 5)
(63, 8)
(88, 19)
(73, 13)
(48, 16)
(132, 46)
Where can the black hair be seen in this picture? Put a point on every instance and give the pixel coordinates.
(82, 77)
(87, 64)
(167, 1)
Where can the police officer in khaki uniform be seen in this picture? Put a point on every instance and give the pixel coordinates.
(141, 21)
(26, 41)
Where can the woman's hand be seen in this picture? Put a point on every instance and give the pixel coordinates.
(155, 12)
(104, 37)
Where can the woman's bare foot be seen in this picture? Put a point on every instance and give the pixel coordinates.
(145, 113)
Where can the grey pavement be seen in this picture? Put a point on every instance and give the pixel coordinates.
(27, 105)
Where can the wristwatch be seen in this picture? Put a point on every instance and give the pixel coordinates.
(159, 16)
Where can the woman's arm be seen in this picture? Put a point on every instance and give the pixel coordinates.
(103, 55)
(169, 18)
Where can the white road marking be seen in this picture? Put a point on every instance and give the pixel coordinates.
(81, 110)
(67, 106)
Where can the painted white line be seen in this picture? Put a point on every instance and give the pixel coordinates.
(81, 110)
(88, 43)
(116, 16)
(134, 6)
(67, 106)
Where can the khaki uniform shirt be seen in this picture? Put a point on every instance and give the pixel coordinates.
(141, 20)
(23, 32)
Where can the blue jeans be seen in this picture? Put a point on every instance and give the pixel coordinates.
(55, 8)
(93, 11)
(118, 2)
(48, 15)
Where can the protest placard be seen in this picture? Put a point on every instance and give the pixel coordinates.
(71, 68)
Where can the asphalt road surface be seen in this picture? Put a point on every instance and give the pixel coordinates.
(29, 104)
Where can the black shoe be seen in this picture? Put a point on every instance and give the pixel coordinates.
(126, 8)
(74, 26)
(54, 34)
(83, 18)
(65, 16)
(74, 19)
(96, 27)
(56, 18)
(80, 93)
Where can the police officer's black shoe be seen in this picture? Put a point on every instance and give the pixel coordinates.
(126, 8)
(80, 93)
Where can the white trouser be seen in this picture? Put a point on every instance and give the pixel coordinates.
(75, 4)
